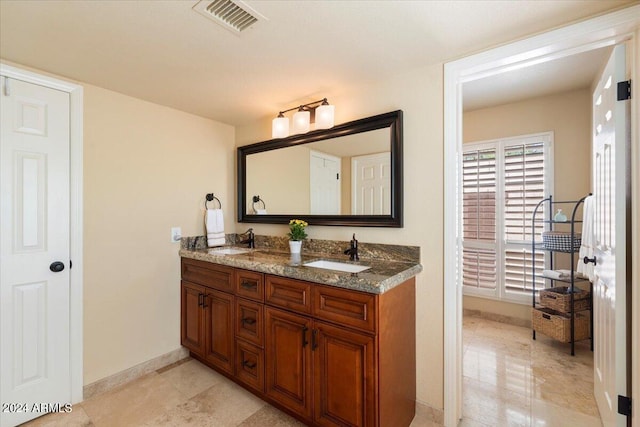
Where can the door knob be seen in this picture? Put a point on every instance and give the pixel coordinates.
(56, 266)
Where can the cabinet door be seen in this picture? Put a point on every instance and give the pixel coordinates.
(192, 325)
(344, 377)
(288, 360)
(219, 320)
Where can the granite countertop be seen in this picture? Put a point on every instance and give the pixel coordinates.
(381, 277)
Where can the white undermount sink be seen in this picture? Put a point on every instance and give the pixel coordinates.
(228, 251)
(338, 266)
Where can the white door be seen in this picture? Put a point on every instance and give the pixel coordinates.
(324, 183)
(34, 225)
(609, 287)
(371, 184)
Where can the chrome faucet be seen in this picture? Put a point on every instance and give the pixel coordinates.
(251, 240)
(353, 249)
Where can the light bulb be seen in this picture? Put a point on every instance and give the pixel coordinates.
(324, 116)
(301, 120)
(280, 127)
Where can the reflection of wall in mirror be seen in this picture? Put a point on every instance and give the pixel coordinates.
(281, 179)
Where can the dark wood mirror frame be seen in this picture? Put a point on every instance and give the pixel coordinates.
(392, 120)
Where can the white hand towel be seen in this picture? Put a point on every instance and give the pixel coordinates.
(588, 238)
(216, 242)
(214, 223)
(261, 211)
(552, 274)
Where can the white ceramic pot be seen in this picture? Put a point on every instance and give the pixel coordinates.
(295, 246)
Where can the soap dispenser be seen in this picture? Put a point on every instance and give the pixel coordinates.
(560, 217)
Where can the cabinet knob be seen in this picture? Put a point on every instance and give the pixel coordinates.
(587, 260)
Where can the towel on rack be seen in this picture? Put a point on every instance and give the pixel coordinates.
(588, 238)
(559, 274)
(261, 211)
(214, 223)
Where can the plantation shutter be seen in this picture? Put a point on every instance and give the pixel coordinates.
(517, 270)
(524, 186)
(479, 195)
(479, 268)
(502, 182)
(479, 218)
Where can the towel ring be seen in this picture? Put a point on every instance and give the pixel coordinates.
(257, 199)
(210, 197)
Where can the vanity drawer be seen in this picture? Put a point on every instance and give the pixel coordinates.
(288, 293)
(205, 273)
(249, 321)
(250, 365)
(250, 284)
(345, 307)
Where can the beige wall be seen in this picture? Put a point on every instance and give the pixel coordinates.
(420, 95)
(568, 115)
(146, 168)
(269, 176)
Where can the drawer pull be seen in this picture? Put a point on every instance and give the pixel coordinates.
(248, 364)
(248, 320)
(304, 337)
(200, 299)
(546, 316)
(249, 285)
(204, 300)
(314, 339)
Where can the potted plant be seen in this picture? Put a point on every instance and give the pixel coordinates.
(296, 234)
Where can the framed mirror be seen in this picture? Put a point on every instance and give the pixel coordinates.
(349, 175)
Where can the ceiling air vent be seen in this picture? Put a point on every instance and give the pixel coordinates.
(234, 15)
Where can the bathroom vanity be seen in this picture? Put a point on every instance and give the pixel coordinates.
(328, 347)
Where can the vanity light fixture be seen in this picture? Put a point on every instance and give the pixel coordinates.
(320, 110)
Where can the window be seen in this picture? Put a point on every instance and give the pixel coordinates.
(502, 182)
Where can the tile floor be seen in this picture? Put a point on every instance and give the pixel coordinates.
(185, 394)
(509, 380)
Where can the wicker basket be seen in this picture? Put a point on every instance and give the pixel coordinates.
(559, 299)
(558, 325)
(560, 241)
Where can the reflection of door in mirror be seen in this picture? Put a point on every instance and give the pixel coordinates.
(371, 181)
(324, 183)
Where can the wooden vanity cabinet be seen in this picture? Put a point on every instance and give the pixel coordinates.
(327, 355)
(207, 326)
(192, 317)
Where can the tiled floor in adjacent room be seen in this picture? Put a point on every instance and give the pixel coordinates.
(512, 380)
(509, 380)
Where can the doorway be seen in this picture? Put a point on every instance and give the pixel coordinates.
(33, 243)
(583, 37)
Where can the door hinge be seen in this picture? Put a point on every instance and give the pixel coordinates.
(624, 405)
(70, 264)
(624, 90)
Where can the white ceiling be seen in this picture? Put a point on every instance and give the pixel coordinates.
(569, 73)
(164, 52)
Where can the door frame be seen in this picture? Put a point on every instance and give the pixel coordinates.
(601, 31)
(75, 92)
